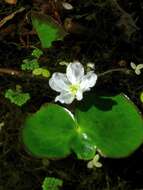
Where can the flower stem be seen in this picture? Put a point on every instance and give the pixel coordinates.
(126, 71)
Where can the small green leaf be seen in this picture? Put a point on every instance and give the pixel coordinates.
(41, 71)
(37, 53)
(29, 65)
(45, 73)
(141, 97)
(17, 97)
(47, 29)
(51, 183)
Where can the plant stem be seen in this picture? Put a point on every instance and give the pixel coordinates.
(14, 72)
(17, 73)
(10, 72)
(126, 71)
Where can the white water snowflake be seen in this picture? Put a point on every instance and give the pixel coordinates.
(73, 84)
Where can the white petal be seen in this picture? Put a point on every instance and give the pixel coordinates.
(98, 165)
(96, 158)
(91, 65)
(59, 82)
(140, 66)
(137, 71)
(95, 161)
(133, 65)
(75, 72)
(79, 95)
(65, 97)
(90, 164)
(88, 81)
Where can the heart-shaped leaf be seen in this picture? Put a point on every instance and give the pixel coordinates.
(47, 29)
(112, 124)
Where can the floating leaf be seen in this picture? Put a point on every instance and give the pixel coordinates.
(112, 124)
(47, 29)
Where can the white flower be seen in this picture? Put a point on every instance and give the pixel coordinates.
(72, 84)
(94, 163)
(137, 68)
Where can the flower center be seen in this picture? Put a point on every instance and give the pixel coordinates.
(74, 88)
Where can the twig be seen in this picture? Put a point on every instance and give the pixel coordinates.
(9, 17)
(10, 72)
(17, 73)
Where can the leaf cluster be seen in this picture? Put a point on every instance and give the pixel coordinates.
(17, 97)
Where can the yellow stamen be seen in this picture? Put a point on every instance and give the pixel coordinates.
(74, 88)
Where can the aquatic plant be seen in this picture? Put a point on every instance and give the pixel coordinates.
(100, 122)
(112, 124)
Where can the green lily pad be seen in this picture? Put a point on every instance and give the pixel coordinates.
(47, 29)
(113, 124)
